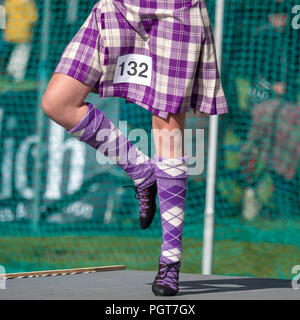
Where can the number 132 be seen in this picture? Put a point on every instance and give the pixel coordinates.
(133, 69)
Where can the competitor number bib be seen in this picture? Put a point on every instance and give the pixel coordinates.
(133, 68)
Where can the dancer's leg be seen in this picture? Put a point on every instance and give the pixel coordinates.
(171, 177)
(63, 100)
(64, 103)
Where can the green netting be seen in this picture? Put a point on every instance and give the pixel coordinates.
(72, 212)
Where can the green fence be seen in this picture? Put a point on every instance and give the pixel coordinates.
(72, 212)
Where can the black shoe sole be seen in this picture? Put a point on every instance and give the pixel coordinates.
(163, 291)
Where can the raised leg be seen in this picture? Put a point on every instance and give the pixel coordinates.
(64, 103)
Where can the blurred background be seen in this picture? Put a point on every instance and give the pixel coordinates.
(60, 209)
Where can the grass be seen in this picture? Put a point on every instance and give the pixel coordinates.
(7, 85)
(19, 254)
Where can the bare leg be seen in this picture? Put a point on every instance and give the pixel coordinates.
(168, 135)
(63, 100)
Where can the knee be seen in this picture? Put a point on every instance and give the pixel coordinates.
(50, 103)
(54, 104)
(47, 104)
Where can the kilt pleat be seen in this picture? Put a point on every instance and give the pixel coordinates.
(176, 34)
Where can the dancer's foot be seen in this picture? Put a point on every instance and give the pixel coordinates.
(147, 204)
(166, 281)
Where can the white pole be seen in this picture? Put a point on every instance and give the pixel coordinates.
(40, 118)
(208, 236)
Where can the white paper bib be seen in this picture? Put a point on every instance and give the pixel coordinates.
(134, 68)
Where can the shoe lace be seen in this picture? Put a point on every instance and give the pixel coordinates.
(142, 194)
(168, 273)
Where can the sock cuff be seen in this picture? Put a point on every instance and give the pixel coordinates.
(90, 115)
(171, 161)
(171, 168)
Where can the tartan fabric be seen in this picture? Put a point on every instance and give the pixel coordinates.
(177, 35)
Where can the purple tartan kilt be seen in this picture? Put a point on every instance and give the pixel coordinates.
(176, 34)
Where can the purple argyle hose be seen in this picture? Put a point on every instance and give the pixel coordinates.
(171, 177)
(99, 132)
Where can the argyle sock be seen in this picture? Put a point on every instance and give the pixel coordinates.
(171, 177)
(99, 132)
